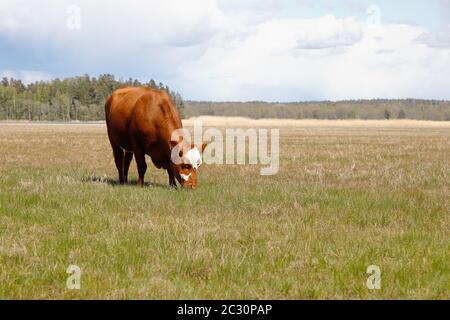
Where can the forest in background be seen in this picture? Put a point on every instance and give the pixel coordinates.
(352, 109)
(72, 99)
(82, 98)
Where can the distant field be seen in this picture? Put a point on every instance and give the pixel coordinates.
(349, 194)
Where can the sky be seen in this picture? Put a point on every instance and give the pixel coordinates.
(237, 50)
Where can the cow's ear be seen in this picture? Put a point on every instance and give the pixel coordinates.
(172, 144)
(202, 148)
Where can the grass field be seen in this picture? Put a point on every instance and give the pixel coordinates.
(349, 194)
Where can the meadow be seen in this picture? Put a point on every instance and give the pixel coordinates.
(349, 194)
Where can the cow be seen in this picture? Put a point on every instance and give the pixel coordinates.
(142, 121)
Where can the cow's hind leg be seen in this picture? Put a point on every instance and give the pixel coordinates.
(126, 164)
(141, 166)
(119, 159)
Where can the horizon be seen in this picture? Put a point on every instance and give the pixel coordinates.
(240, 101)
(238, 51)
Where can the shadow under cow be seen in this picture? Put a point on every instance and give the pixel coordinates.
(116, 183)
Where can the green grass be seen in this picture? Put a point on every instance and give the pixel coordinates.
(345, 198)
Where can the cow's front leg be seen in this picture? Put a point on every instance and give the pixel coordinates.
(172, 182)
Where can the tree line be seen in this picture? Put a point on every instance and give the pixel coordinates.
(437, 110)
(79, 98)
(83, 98)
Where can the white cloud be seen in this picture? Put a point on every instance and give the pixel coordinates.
(436, 39)
(327, 32)
(27, 76)
(171, 22)
(346, 63)
(230, 50)
(249, 5)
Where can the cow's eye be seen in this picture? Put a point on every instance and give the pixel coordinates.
(186, 166)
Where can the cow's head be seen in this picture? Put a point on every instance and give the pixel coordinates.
(186, 160)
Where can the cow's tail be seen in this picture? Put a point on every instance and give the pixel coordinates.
(108, 108)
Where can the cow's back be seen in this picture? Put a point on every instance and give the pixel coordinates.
(140, 115)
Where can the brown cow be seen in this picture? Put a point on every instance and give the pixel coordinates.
(141, 121)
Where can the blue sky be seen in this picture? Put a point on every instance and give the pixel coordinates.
(237, 49)
(430, 14)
